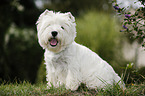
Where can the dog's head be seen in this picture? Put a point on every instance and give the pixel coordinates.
(56, 31)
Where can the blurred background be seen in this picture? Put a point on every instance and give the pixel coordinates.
(98, 28)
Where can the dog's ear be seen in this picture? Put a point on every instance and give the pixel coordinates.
(41, 16)
(38, 23)
(70, 16)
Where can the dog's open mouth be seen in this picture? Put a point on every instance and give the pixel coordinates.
(53, 42)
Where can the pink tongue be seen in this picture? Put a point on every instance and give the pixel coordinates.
(53, 42)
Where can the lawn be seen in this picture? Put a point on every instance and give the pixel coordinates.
(27, 89)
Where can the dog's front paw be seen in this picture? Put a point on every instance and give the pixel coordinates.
(72, 85)
(49, 85)
(72, 81)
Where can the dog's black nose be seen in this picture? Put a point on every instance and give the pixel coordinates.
(54, 33)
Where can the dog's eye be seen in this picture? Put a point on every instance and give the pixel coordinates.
(62, 27)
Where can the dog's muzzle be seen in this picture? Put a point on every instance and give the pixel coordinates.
(53, 41)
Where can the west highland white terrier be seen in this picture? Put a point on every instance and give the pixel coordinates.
(69, 63)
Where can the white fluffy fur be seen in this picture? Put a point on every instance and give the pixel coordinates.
(70, 63)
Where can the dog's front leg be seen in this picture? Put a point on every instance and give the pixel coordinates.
(51, 78)
(51, 81)
(72, 80)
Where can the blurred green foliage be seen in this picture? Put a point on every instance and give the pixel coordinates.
(41, 76)
(99, 32)
(78, 7)
(23, 54)
(20, 54)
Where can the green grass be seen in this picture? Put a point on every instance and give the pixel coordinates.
(27, 89)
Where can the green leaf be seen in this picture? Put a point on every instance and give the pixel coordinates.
(138, 9)
(130, 65)
(127, 30)
(129, 22)
(140, 30)
(125, 23)
(125, 19)
(121, 30)
(119, 14)
(139, 17)
(136, 28)
(135, 23)
(130, 31)
(116, 4)
(134, 19)
(113, 1)
(136, 13)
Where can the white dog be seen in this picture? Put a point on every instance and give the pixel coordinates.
(67, 62)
